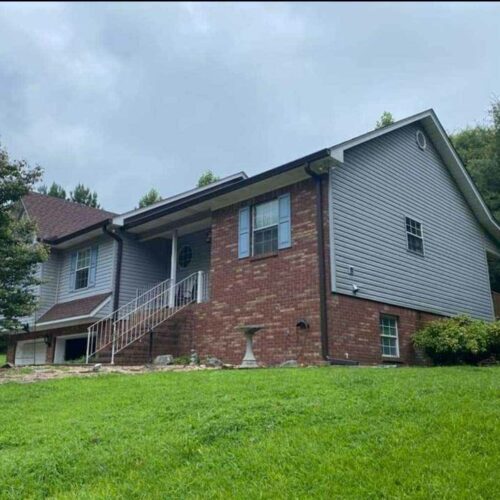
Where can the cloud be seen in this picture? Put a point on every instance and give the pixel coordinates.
(126, 96)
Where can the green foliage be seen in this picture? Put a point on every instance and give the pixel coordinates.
(152, 196)
(182, 360)
(385, 119)
(479, 149)
(83, 195)
(19, 254)
(206, 178)
(330, 432)
(55, 190)
(458, 340)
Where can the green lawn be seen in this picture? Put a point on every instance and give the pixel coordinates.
(3, 359)
(276, 433)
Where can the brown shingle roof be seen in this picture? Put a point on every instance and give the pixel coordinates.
(78, 307)
(56, 217)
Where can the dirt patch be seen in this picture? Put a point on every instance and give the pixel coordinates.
(29, 374)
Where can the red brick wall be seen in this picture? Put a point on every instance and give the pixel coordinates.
(496, 304)
(275, 291)
(279, 290)
(354, 331)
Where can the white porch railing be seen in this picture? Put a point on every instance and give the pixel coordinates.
(136, 318)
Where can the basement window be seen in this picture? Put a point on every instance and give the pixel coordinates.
(414, 236)
(389, 341)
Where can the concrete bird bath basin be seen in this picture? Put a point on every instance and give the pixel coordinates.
(249, 331)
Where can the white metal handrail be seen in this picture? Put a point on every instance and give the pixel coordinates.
(136, 318)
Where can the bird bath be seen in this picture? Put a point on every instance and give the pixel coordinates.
(249, 331)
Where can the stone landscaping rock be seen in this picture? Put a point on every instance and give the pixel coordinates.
(97, 367)
(164, 359)
(7, 365)
(291, 363)
(213, 362)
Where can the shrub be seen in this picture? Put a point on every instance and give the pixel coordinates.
(459, 340)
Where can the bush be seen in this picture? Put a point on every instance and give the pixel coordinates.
(459, 340)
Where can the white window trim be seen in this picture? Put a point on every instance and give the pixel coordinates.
(252, 223)
(414, 235)
(78, 252)
(396, 321)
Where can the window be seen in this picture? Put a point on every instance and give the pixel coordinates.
(265, 228)
(83, 260)
(414, 236)
(185, 256)
(389, 342)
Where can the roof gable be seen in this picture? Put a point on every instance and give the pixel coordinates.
(435, 131)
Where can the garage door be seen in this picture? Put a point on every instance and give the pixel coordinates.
(29, 352)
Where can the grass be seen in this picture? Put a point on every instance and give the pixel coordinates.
(277, 433)
(3, 359)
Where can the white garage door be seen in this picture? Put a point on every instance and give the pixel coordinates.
(29, 352)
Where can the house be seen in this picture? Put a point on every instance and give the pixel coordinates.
(341, 254)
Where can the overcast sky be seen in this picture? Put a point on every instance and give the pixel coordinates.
(125, 97)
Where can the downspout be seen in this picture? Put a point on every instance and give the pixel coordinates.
(321, 260)
(118, 269)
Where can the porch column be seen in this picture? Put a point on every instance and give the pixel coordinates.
(173, 269)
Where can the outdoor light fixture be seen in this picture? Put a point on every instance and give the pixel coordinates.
(355, 288)
(48, 340)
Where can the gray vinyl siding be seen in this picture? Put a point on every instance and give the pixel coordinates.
(49, 276)
(104, 272)
(201, 254)
(382, 182)
(143, 265)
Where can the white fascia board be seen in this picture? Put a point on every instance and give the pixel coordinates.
(119, 219)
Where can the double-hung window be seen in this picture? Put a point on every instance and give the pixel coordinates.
(414, 236)
(82, 271)
(83, 268)
(389, 342)
(265, 228)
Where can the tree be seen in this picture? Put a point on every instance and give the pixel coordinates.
(19, 254)
(83, 195)
(385, 119)
(479, 149)
(206, 178)
(55, 190)
(152, 196)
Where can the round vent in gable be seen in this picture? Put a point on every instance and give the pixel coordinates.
(421, 140)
